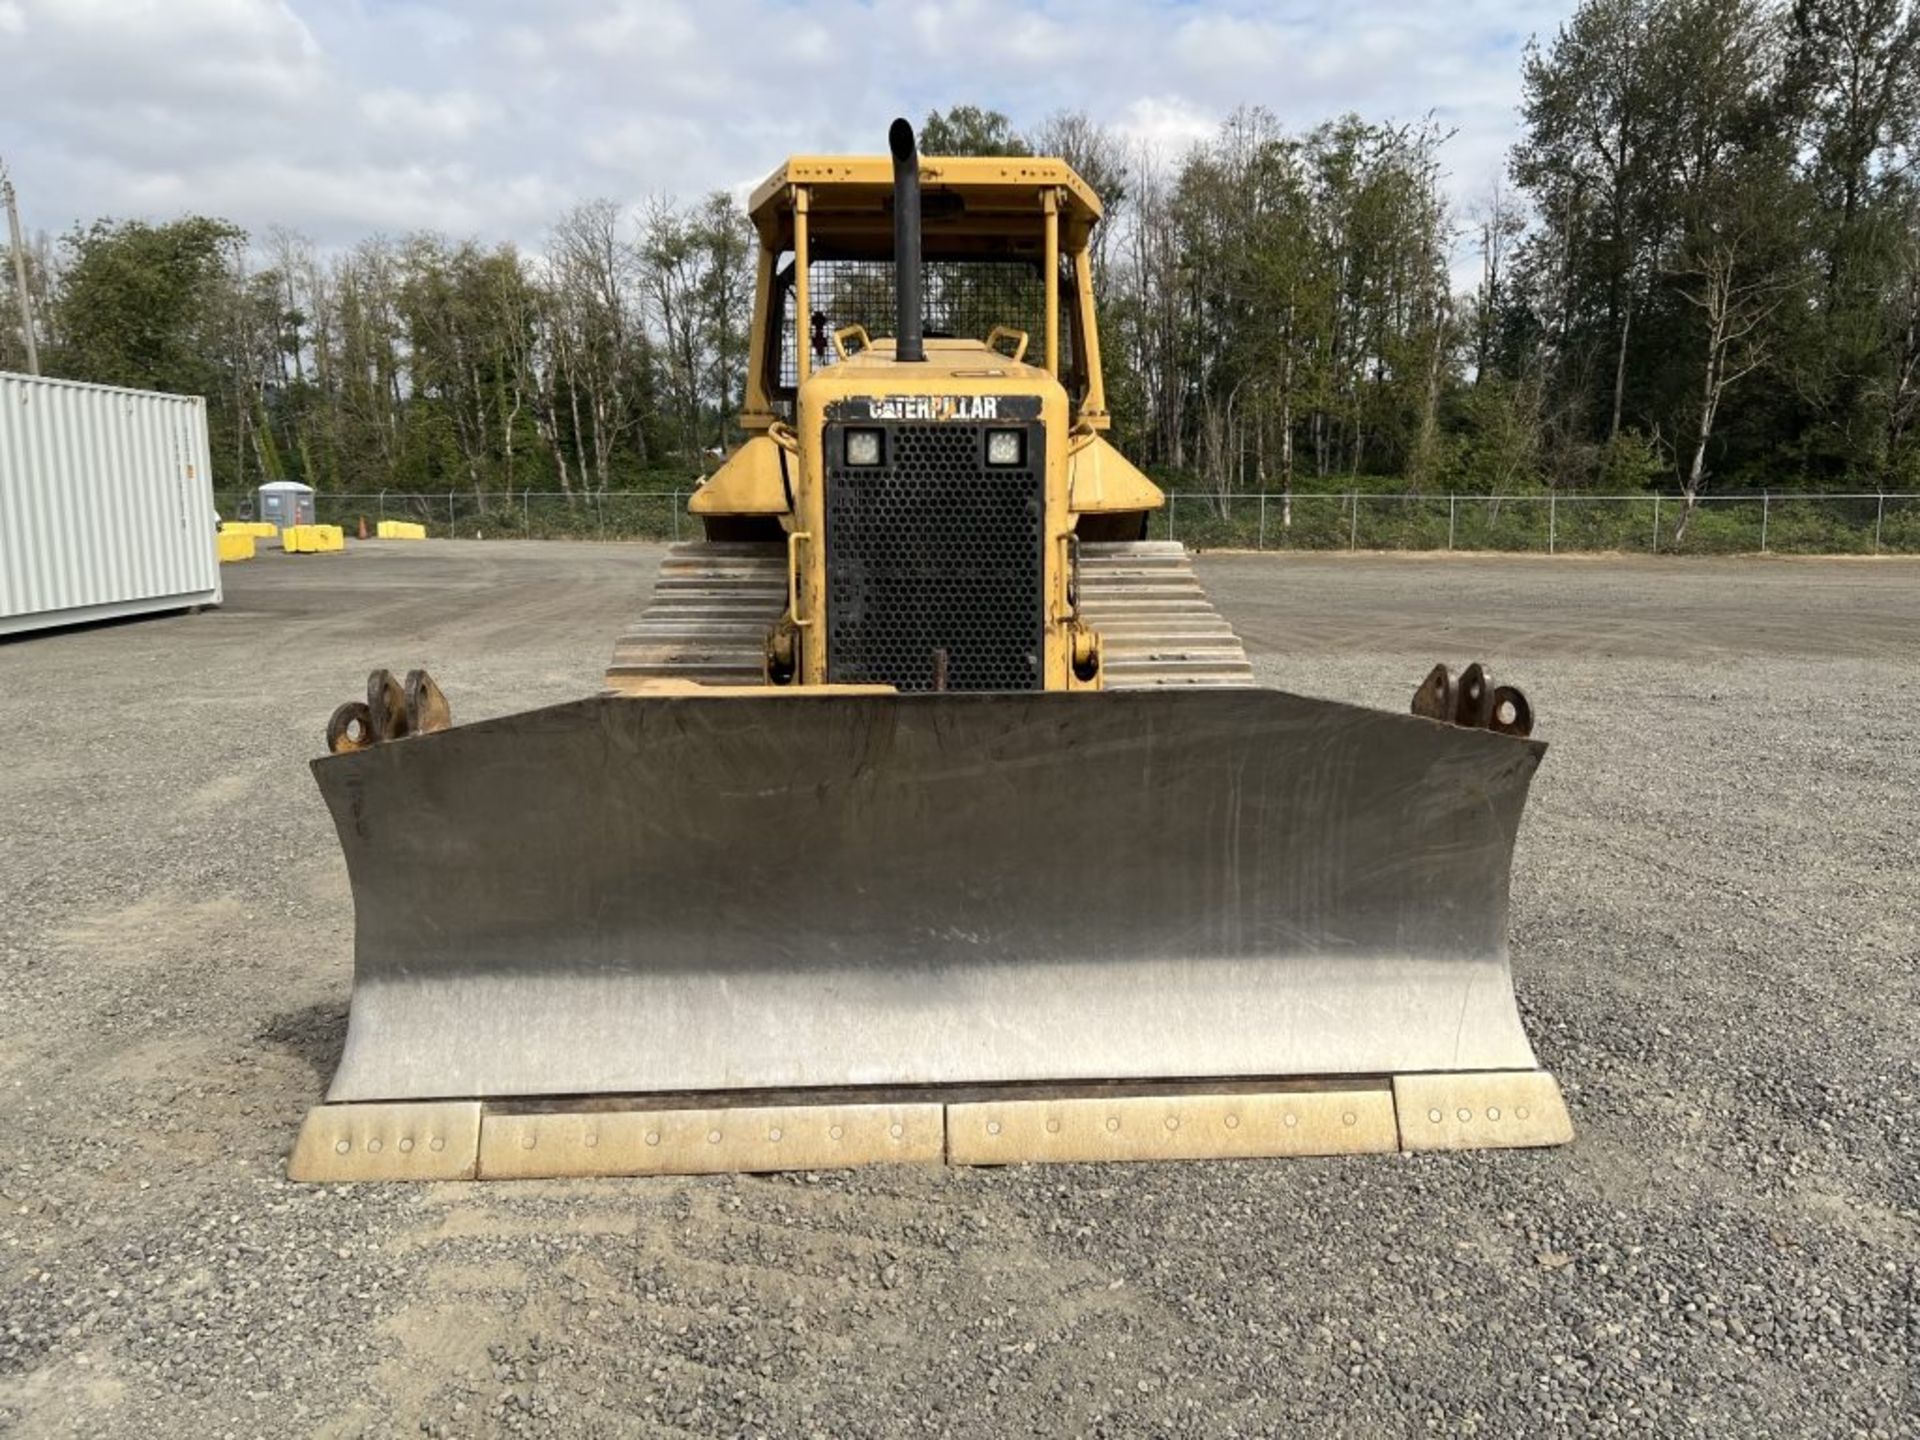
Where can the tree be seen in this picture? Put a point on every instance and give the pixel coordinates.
(1592, 158)
(601, 369)
(1099, 157)
(970, 130)
(1737, 253)
(673, 271)
(1707, 192)
(37, 255)
(1901, 321)
(135, 300)
(1499, 221)
(1852, 81)
(725, 296)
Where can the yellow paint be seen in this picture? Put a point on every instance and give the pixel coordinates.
(1101, 480)
(952, 368)
(233, 546)
(400, 530)
(1489, 1110)
(801, 244)
(467, 1139)
(755, 414)
(1174, 1126)
(312, 539)
(708, 1140)
(642, 685)
(435, 1140)
(749, 483)
(1050, 275)
(857, 184)
(843, 205)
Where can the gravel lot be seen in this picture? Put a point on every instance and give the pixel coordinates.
(1716, 934)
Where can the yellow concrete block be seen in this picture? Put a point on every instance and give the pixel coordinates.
(312, 539)
(234, 547)
(258, 529)
(401, 530)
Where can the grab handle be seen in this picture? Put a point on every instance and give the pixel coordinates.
(794, 540)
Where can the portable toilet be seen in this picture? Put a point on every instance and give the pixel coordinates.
(286, 502)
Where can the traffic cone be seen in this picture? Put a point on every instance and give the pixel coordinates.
(363, 527)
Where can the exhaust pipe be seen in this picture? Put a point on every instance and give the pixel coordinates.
(907, 342)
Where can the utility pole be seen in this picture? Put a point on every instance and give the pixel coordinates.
(19, 270)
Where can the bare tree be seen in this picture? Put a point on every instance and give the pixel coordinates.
(672, 273)
(1499, 220)
(596, 273)
(1734, 306)
(1100, 158)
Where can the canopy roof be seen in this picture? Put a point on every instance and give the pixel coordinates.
(850, 199)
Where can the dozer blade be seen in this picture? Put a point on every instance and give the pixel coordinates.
(693, 894)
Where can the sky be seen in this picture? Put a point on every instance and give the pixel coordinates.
(340, 119)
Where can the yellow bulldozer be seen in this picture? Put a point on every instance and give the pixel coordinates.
(929, 811)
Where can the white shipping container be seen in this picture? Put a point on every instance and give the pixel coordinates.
(106, 503)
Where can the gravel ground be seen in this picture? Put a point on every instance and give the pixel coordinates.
(1717, 942)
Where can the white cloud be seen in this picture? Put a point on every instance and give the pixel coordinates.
(1166, 126)
(488, 117)
(189, 53)
(452, 116)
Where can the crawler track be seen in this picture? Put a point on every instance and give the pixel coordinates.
(708, 620)
(714, 603)
(1156, 625)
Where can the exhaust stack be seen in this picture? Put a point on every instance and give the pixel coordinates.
(907, 342)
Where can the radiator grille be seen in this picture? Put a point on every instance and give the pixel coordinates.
(932, 550)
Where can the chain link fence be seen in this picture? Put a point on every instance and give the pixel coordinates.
(518, 515)
(1791, 524)
(1795, 524)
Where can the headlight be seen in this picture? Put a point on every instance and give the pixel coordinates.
(863, 447)
(1005, 447)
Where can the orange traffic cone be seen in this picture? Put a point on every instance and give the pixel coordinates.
(363, 527)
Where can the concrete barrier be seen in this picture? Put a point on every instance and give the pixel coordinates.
(257, 529)
(401, 530)
(312, 539)
(233, 546)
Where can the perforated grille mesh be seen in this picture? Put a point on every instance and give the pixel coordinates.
(934, 549)
(964, 299)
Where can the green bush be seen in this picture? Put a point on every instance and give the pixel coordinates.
(1628, 463)
(1716, 526)
(1317, 522)
(1400, 522)
(1602, 523)
(1900, 527)
(1501, 523)
(1207, 524)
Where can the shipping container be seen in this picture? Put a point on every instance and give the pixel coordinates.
(106, 503)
